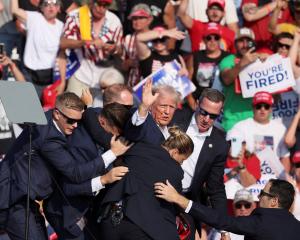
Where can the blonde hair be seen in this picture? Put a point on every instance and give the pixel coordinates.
(179, 140)
(69, 100)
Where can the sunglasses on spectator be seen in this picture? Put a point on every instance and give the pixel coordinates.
(49, 2)
(69, 120)
(240, 205)
(204, 113)
(160, 40)
(263, 193)
(282, 45)
(212, 37)
(262, 105)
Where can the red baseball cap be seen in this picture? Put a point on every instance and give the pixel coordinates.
(263, 97)
(221, 3)
(212, 28)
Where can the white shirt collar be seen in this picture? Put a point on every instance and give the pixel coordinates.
(57, 127)
(194, 125)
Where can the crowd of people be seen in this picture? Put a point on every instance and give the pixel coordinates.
(113, 164)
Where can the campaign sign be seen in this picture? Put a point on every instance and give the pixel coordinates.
(286, 108)
(72, 65)
(168, 75)
(272, 76)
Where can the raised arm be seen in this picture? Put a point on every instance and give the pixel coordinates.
(294, 54)
(17, 11)
(274, 17)
(186, 20)
(290, 136)
(142, 39)
(252, 13)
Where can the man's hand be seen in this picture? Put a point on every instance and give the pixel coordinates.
(119, 147)
(5, 60)
(60, 88)
(174, 33)
(249, 57)
(97, 42)
(147, 96)
(113, 175)
(87, 97)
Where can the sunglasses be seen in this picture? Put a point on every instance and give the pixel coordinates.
(263, 193)
(204, 113)
(239, 205)
(282, 45)
(160, 40)
(212, 37)
(262, 105)
(69, 120)
(49, 3)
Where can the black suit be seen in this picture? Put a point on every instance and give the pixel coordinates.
(50, 158)
(207, 182)
(147, 164)
(262, 224)
(71, 201)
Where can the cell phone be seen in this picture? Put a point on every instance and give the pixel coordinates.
(236, 147)
(2, 46)
(251, 44)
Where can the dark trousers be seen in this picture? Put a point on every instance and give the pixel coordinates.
(126, 230)
(15, 220)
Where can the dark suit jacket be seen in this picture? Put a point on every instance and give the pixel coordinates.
(71, 201)
(148, 164)
(262, 224)
(146, 132)
(50, 157)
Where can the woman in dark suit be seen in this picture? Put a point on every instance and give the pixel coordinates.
(133, 210)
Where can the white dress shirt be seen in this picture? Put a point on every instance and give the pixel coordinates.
(189, 164)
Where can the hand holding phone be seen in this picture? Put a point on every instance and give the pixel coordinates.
(236, 147)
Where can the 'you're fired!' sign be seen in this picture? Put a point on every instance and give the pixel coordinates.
(273, 75)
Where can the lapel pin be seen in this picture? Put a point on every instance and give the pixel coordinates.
(210, 145)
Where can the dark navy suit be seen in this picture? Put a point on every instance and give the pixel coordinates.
(50, 158)
(147, 165)
(262, 224)
(207, 181)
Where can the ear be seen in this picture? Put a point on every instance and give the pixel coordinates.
(55, 115)
(102, 121)
(173, 152)
(274, 202)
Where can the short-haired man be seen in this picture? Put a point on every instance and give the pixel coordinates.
(50, 158)
(261, 132)
(272, 220)
(243, 205)
(236, 107)
(105, 32)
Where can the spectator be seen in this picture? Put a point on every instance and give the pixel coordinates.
(259, 131)
(141, 19)
(243, 205)
(294, 57)
(215, 12)
(275, 201)
(197, 10)
(257, 17)
(236, 107)
(152, 60)
(245, 167)
(282, 43)
(97, 47)
(42, 43)
(203, 67)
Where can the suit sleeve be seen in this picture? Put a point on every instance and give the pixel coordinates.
(84, 188)
(215, 182)
(62, 161)
(92, 125)
(249, 225)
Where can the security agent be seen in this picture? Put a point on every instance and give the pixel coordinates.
(49, 157)
(273, 214)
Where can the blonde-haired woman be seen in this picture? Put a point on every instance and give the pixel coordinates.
(141, 215)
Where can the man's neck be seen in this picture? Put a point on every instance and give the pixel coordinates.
(213, 54)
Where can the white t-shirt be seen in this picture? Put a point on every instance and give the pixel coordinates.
(197, 10)
(215, 235)
(259, 136)
(42, 41)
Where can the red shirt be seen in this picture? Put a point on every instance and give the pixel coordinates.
(252, 164)
(263, 37)
(197, 31)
